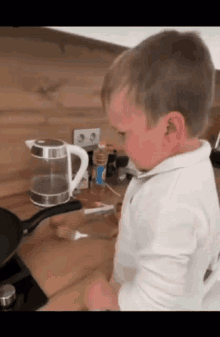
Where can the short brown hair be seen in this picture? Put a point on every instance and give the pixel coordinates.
(169, 71)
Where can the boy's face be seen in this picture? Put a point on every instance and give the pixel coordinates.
(147, 148)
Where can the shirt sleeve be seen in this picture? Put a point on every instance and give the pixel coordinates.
(167, 239)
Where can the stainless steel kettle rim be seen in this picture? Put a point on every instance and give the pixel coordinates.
(49, 149)
(49, 142)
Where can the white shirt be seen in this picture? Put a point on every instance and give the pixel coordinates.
(164, 213)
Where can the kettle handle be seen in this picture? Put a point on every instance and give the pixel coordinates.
(83, 155)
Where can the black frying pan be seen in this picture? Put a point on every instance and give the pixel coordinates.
(12, 229)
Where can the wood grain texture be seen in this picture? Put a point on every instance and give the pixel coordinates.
(36, 35)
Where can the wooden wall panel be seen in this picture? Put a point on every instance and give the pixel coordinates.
(44, 86)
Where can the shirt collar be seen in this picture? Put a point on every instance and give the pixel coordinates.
(179, 161)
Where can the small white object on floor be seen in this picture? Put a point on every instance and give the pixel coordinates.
(77, 235)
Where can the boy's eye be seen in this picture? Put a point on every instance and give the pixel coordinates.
(122, 135)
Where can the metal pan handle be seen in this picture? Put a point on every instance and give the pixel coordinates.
(30, 224)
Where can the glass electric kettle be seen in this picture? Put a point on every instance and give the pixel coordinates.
(51, 181)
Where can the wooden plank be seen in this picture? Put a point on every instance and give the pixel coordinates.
(50, 44)
(19, 117)
(11, 187)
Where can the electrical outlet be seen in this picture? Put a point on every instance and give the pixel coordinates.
(86, 137)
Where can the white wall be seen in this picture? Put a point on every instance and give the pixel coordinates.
(131, 36)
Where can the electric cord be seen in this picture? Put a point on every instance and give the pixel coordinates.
(113, 190)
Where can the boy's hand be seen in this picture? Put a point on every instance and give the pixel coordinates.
(70, 221)
(51, 227)
(102, 295)
(63, 225)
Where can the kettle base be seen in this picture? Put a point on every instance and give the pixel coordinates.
(43, 201)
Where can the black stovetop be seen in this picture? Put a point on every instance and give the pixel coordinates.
(29, 296)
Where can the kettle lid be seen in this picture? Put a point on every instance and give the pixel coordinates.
(49, 149)
(49, 142)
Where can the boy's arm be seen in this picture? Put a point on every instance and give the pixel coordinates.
(103, 295)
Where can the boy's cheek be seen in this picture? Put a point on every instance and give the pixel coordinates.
(132, 144)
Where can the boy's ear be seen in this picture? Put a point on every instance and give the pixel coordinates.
(170, 127)
(175, 122)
